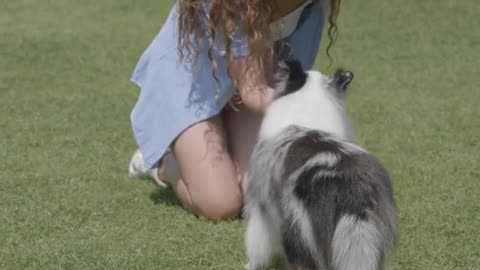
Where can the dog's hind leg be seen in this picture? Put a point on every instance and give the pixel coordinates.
(261, 240)
(301, 250)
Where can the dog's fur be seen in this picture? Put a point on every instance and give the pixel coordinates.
(314, 197)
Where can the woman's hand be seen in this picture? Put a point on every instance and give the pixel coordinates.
(254, 84)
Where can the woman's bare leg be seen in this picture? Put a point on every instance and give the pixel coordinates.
(209, 184)
(242, 128)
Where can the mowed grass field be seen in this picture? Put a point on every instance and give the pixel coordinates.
(65, 137)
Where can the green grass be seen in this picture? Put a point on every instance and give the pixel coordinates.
(65, 137)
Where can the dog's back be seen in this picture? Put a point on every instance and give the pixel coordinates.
(328, 203)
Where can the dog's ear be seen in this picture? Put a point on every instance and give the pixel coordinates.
(342, 79)
(296, 76)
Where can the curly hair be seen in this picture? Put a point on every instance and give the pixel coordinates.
(254, 16)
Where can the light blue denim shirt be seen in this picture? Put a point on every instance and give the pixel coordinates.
(175, 95)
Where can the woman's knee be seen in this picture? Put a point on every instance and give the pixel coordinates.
(210, 177)
(217, 204)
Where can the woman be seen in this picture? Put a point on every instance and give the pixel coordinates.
(207, 55)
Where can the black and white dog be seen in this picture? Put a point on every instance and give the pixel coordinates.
(314, 197)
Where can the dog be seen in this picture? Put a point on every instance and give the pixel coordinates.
(315, 198)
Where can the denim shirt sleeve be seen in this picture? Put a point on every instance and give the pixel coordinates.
(304, 43)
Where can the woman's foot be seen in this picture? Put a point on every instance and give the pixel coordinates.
(138, 169)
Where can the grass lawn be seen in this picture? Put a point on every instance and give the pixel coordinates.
(65, 137)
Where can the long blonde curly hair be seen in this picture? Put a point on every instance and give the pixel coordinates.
(254, 16)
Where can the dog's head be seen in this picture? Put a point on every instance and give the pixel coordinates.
(292, 78)
(310, 99)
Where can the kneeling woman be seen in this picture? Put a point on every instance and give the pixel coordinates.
(205, 82)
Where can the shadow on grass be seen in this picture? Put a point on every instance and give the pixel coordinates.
(164, 196)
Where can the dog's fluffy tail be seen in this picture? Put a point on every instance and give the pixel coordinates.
(357, 244)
